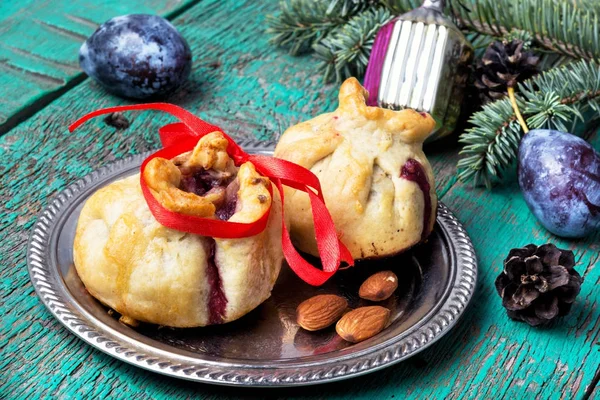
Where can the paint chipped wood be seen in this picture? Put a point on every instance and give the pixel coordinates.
(246, 86)
(39, 44)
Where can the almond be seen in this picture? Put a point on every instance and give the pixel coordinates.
(379, 287)
(362, 323)
(320, 311)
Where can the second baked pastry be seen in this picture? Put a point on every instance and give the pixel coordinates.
(376, 180)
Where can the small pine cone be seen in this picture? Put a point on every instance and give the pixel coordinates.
(538, 284)
(503, 65)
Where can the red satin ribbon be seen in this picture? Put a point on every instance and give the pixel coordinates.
(181, 137)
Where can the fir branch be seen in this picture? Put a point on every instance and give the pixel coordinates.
(491, 144)
(347, 8)
(480, 42)
(547, 58)
(568, 27)
(550, 60)
(302, 23)
(345, 50)
(401, 6)
(551, 100)
(559, 26)
(549, 111)
(520, 35)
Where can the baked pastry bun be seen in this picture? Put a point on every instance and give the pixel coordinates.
(377, 183)
(147, 272)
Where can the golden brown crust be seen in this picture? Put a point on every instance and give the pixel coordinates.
(254, 198)
(131, 263)
(358, 152)
(413, 127)
(164, 179)
(150, 273)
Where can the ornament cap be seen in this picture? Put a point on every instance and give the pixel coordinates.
(420, 60)
(436, 5)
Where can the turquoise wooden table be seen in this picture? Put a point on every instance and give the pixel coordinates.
(249, 88)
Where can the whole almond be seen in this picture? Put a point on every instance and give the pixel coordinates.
(379, 287)
(320, 311)
(362, 323)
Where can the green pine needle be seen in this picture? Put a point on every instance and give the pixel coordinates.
(555, 99)
(345, 50)
(549, 111)
(568, 29)
(302, 23)
(341, 33)
(564, 26)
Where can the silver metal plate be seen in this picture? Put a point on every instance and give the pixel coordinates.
(266, 347)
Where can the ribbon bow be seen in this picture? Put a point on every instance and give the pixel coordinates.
(181, 137)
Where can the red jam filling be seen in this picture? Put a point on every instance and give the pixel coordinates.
(216, 298)
(227, 208)
(413, 171)
(203, 181)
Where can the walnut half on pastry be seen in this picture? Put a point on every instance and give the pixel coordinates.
(150, 273)
(377, 183)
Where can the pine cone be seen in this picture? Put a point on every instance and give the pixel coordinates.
(502, 66)
(538, 283)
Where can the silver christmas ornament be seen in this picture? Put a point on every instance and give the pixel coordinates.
(420, 60)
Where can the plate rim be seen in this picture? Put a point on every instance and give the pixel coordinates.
(57, 299)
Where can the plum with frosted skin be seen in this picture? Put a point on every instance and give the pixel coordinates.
(137, 56)
(559, 175)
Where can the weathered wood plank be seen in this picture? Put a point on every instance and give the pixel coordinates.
(39, 44)
(243, 85)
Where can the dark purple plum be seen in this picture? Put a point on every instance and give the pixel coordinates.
(137, 56)
(559, 175)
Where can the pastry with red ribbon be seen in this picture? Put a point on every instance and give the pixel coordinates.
(199, 236)
(377, 182)
(151, 273)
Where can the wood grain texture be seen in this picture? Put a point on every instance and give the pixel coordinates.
(39, 45)
(242, 84)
